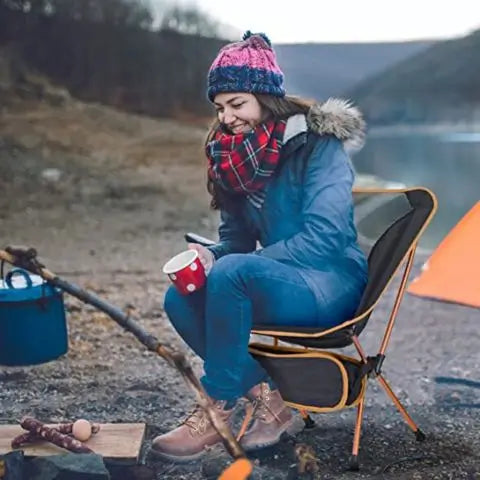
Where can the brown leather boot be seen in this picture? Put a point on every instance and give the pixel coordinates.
(189, 441)
(271, 417)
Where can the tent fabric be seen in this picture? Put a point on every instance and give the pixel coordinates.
(452, 273)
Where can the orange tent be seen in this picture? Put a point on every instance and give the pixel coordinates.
(452, 273)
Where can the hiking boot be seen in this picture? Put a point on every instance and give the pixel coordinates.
(190, 440)
(271, 418)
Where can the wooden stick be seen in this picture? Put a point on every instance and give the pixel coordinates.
(27, 258)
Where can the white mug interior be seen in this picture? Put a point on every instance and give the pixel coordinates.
(180, 261)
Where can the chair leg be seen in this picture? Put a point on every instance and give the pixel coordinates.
(308, 420)
(419, 435)
(354, 466)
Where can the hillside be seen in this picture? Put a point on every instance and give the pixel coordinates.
(96, 178)
(439, 84)
(158, 73)
(321, 70)
(163, 73)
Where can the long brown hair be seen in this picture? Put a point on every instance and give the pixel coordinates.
(277, 108)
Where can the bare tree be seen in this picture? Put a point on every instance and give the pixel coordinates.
(127, 13)
(190, 20)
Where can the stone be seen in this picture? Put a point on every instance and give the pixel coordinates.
(70, 466)
(51, 175)
(12, 466)
(124, 470)
(30, 141)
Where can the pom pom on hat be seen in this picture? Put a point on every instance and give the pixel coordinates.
(248, 34)
(249, 65)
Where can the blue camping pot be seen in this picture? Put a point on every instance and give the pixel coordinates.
(33, 326)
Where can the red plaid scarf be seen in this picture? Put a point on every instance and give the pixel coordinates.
(244, 162)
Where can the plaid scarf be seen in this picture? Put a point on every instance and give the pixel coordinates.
(244, 162)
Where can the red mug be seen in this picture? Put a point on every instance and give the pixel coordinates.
(186, 272)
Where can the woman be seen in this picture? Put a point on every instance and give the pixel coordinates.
(279, 174)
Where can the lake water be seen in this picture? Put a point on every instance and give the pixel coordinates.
(447, 163)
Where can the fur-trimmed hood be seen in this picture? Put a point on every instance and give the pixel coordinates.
(339, 118)
(335, 117)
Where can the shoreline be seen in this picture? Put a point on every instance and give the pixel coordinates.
(377, 131)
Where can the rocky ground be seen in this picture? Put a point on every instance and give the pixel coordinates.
(106, 198)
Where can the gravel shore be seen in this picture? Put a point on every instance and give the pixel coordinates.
(110, 225)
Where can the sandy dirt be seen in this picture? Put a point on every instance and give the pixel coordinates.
(106, 197)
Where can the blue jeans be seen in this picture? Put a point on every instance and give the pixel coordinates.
(241, 290)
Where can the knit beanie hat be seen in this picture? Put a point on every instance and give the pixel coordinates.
(246, 66)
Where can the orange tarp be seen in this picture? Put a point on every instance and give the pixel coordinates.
(453, 271)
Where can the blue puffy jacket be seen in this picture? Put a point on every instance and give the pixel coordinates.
(306, 220)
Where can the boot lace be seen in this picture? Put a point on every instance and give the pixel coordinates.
(197, 421)
(257, 408)
(261, 405)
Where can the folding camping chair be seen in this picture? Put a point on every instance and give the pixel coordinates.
(313, 379)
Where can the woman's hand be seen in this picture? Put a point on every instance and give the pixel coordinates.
(206, 256)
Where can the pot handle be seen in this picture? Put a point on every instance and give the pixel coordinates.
(17, 271)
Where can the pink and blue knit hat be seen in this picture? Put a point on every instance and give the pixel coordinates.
(246, 66)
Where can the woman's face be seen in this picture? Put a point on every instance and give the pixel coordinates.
(239, 112)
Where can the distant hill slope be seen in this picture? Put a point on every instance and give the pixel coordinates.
(154, 73)
(321, 70)
(440, 84)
